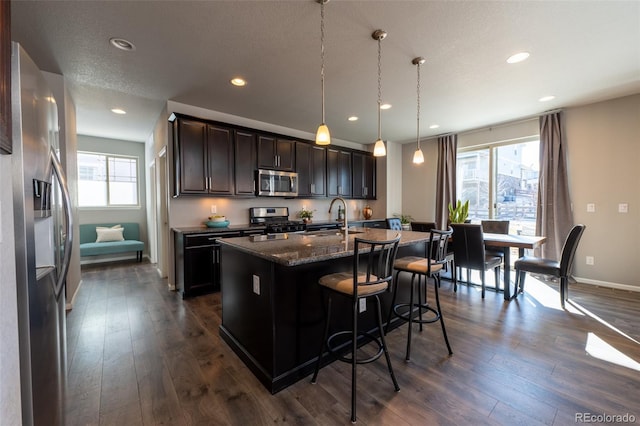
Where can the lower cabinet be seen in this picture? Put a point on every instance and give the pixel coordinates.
(198, 259)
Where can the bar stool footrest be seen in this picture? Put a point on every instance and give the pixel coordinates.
(334, 350)
(405, 316)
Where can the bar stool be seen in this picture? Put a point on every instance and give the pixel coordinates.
(429, 267)
(372, 274)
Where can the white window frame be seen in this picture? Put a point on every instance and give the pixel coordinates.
(107, 156)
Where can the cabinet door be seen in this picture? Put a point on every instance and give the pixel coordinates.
(220, 155)
(192, 157)
(333, 172)
(311, 162)
(199, 271)
(363, 176)
(285, 155)
(344, 161)
(246, 152)
(266, 152)
(318, 166)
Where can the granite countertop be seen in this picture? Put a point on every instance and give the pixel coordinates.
(206, 230)
(298, 249)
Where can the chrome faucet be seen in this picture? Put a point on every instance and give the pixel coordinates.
(344, 203)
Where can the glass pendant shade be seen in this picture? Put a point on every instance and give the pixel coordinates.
(323, 137)
(379, 150)
(418, 157)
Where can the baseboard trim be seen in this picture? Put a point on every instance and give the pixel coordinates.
(105, 259)
(69, 305)
(608, 284)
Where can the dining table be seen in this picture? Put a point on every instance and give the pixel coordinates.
(505, 242)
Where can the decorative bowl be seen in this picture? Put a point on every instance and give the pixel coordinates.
(212, 224)
(217, 218)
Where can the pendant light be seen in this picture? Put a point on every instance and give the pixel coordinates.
(323, 137)
(379, 149)
(418, 157)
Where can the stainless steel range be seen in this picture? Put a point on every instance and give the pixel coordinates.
(275, 219)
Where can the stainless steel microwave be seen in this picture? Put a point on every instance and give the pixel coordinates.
(274, 183)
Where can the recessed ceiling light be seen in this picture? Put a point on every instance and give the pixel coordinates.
(518, 57)
(385, 106)
(434, 126)
(122, 44)
(546, 98)
(237, 81)
(118, 111)
(353, 118)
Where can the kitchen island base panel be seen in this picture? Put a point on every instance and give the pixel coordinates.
(277, 332)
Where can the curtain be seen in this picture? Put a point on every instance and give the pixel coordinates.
(446, 182)
(554, 219)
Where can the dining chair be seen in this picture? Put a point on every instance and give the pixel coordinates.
(394, 224)
(469, 253)
(559, 269)
(495, 227)
(372, 275)
(423, 226)
(428, 267)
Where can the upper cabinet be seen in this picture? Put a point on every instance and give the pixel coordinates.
(311, 162)
(275, 153)
(338, 173)
(364, 175)
(203, 157)
(246, 160)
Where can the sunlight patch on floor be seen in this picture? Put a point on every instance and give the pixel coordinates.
(598, 348)
(587, 312)
(546, 296)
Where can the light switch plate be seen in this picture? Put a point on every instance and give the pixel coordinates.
(591, 207)
(623, 208)
(214, 209)
(590, 260)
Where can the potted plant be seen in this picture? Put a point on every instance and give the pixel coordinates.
(305, 215)
(405, 220)
(459, 213)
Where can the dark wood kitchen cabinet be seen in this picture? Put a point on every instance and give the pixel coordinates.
(339, 173)
(197, 260)
(245, 161)
(275, 153)
(364, 176)
(311, 163)
(203, 155)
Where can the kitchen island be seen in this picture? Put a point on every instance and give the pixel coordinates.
(272, 310)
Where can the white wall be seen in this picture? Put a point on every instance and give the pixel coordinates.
(604, 168)
(419, 181)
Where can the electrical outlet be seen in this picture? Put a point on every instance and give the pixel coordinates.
(363, 305)
(591, 208)
(214, 209)
(590, 260)
(256, 284)
(304, 207)
(623, 208)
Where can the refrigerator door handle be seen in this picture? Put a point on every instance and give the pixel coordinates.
(62, 276)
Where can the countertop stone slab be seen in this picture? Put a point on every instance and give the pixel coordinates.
(299, 249)
(206, 230)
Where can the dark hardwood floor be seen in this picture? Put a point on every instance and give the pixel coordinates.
(139, 354)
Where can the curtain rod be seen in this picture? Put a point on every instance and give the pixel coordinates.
(506, 123)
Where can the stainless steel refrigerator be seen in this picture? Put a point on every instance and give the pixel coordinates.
(43, 234)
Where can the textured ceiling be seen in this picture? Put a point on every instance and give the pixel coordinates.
(186, 51)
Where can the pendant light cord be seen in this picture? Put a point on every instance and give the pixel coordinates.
(379, 86)
(322, 2)
(418, 113)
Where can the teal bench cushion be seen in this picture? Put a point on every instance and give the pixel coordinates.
(131, 243)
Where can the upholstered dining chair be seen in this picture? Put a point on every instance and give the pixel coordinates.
(394, 223)
(559, 269)
(469, 253)
(371, 275)
(423, 226)
(428, 267)
(495, 227)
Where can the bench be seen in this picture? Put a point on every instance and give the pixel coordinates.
(131, 242)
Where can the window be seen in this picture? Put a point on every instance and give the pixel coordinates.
(106, 180)
(501, 182)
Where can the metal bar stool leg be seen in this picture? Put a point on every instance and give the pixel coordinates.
(444, 331)
(410, 314)
(354, 361)
(384, 345)
(420, 300)
(393, 302)
(327, 316)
